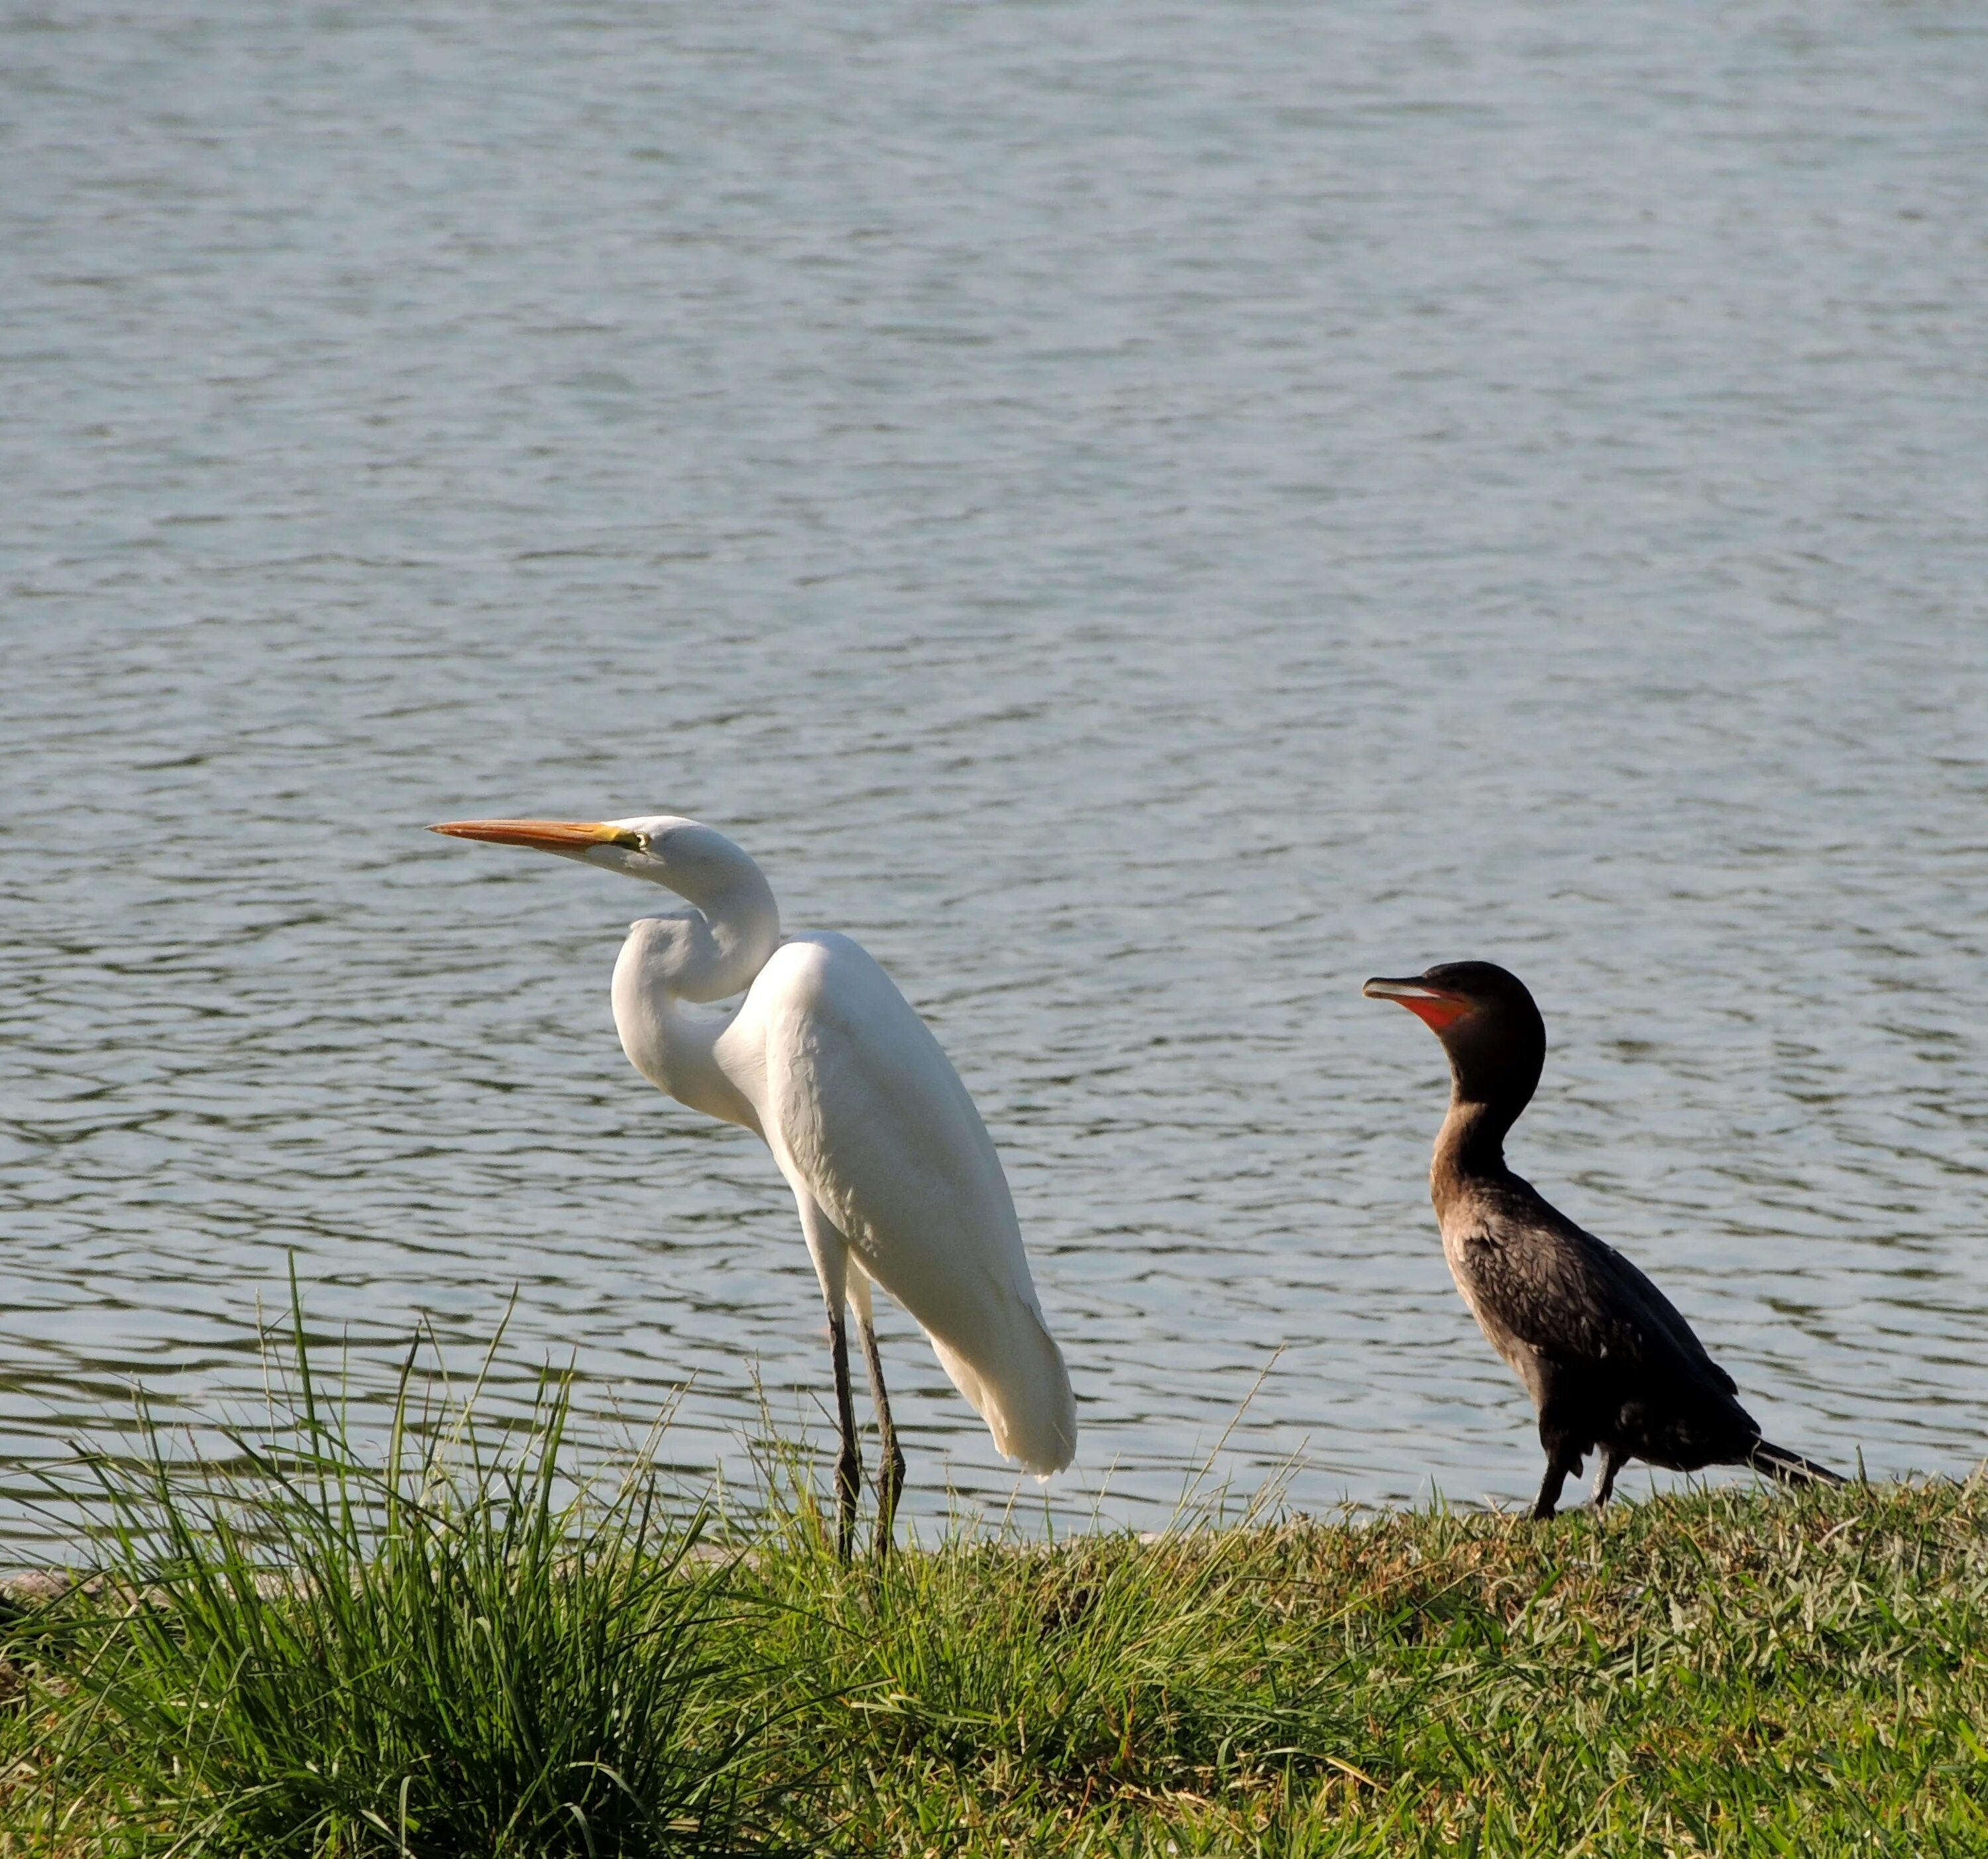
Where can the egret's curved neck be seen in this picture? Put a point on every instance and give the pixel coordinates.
(734, 924)
(672, 1043)
(706, 953)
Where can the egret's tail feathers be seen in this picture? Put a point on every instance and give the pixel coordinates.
(1023, 1392)
(1789, 1467)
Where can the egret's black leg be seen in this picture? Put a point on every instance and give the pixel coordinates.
(849, 1465)
(891, 1474)
(1559, 1462)
(1612, 1461)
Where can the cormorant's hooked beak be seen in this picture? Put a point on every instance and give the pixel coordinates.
(1437, 1007)
(575, 838)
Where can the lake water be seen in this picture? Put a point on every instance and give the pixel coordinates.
(1144, 516)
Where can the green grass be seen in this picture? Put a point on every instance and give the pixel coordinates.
(458, 1652)
(1736, 1671)
(291, 1651)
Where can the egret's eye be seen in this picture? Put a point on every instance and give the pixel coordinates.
(631, 841)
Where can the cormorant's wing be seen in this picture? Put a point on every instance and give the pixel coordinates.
(1574, 1298)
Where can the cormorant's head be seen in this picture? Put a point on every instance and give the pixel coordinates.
(1486, 1020)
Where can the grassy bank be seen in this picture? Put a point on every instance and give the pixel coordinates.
(450, 1654)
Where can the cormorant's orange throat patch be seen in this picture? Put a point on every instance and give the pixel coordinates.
(1438, 1010)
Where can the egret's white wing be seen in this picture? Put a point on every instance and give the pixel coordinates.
(865, 1113)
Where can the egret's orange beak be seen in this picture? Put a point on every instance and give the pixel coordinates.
(567, 836)
(1436, 1006)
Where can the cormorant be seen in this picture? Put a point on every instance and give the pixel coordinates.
(1607, 1360)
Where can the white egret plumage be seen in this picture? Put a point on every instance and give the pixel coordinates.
(894, 1175)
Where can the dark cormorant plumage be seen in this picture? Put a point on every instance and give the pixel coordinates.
(1608, 1361)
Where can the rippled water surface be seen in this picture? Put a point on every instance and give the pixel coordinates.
(1144, 517)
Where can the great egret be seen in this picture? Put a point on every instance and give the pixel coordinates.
(1606, 1357)
(895, 1176)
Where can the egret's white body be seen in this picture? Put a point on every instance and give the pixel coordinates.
(894, 1175)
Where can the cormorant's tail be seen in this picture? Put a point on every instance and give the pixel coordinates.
(1790, 1468)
